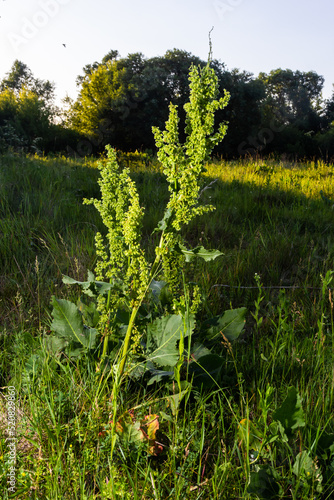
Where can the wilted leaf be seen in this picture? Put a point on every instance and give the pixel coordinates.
(151, 423)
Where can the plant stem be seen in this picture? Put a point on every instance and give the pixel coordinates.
(127, 339)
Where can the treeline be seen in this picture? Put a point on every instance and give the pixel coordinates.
(120, 99)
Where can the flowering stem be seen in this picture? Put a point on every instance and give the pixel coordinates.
(135, 310)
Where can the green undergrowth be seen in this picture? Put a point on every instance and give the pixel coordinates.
(286, 236)
(263, 428)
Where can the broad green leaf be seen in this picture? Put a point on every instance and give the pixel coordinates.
(67, 322)
(277, 429)
(290, 414)
(92, 287)
(263, 483)
(156, 287)
(175, 400)
(166, 417)
(162, 337)
(324, 443)
(33, 365)
(88, 287)
(198, 351)
(159, 375)
(74, 352)
(303, 465)
(230, 323)
(90, 335)
(206, 370)
(89, 312)
(130, 432)
(55, 344)
(200, 251)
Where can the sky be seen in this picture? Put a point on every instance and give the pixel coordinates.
(251, 35)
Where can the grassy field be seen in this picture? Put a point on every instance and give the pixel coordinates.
(264, 430)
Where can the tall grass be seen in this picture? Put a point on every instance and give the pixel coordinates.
(273, 219)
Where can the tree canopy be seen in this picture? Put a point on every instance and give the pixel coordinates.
(121, 98)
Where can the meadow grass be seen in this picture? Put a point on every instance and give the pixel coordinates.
(272, 219)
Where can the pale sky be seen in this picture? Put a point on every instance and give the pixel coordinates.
(252, 35)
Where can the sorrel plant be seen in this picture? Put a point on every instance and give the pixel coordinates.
(122, 261)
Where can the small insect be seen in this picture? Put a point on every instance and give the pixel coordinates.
(64, 45)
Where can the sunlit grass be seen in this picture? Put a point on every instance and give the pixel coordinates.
(272, 218)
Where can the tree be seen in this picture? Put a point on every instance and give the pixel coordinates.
(21, 76)
(291, 110)
(26, 109)
(293, 97)
(18, 76)
(121, 99)
(101, 104)
(328, 112)
(244, 111)
(325, 138)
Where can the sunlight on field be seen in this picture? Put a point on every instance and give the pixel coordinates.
(273, 227)
(308, 179)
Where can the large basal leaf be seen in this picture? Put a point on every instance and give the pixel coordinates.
(290, 414)
(230, 323)
(200, 251)
(263, 483)
(89, 311)
(55, 344)
(206, 370)
(304, 465)
(67, 323)
(324, 443)
(162, 337)
(158, 375)
(199, 350)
